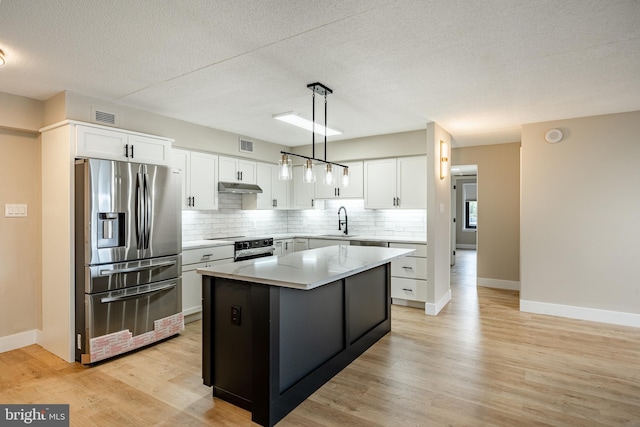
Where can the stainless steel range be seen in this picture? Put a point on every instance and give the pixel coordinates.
(250, 247)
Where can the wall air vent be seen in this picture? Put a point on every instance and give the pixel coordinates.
(245, 146)
(99, 115)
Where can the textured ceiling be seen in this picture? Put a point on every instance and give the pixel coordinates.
(480, 69)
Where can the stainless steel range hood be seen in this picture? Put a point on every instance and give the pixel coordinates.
(238, 187)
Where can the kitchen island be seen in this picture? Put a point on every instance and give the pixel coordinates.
(277, 328)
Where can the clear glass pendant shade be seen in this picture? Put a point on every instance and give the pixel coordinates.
(308, 175)
(345, 177)
(285, 172)
(328, 175)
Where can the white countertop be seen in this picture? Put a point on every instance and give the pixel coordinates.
(194, 244)
(307, 269)
(365, 237)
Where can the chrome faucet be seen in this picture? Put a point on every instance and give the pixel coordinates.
(345, 222)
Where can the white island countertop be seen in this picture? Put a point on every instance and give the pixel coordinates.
(307, 269)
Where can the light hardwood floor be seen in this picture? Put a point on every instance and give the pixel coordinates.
(479, 362)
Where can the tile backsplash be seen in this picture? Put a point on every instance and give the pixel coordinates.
(230, 220)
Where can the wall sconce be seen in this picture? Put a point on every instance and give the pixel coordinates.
(2, 60)
(444, 160)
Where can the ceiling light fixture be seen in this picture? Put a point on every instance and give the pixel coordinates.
(306, 124)
(308, 175)
(2, 60)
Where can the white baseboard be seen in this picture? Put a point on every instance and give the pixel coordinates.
(19, 340)
(499, 284)
(434, 309)
(465, 246)
(581, 313)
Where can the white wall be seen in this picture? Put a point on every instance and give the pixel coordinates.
(580, 219)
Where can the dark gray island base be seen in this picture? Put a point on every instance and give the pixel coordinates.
(266, 348)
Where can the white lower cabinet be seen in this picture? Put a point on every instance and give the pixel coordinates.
(300, 244)
(320, 243)
(193, 259)
(409, 276)
(283, 247)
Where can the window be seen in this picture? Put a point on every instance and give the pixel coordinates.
(469, 194)
(471, 214)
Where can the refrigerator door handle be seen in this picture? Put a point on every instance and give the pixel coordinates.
(140, 211)
(147, 211)
(138, 294)
(112, 271)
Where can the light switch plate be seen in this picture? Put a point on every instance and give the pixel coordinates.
(15, 210)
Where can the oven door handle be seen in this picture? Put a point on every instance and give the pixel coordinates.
(134, 269)
(138, 294)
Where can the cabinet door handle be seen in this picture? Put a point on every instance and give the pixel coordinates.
(311, 202)
(394, 201)
(132, 151)
(397, 201)
(126, 150)
(193, 201)
(407, 289)
(407, 268)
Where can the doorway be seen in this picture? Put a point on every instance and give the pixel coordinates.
(464, 225)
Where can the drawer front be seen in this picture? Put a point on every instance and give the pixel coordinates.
(409, 289)
(409, 267)
(420, 250)
(191, 256)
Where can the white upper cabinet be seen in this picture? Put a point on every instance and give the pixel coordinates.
(280, 190)
(237, 170)
(396, 183)
(354, 190)
(303, 193)
(275, 192)
(199, 184)
(412, 182)
(113, 144)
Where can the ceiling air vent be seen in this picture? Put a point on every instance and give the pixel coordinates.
(99, 115)
(245, 145)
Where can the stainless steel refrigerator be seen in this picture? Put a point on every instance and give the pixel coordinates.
(128, 261)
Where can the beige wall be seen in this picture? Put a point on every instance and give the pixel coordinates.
(438, 222)
(20, 259)
(20, 113)
(186, 135)
(580, 226)
(498, 236)
(371, 147)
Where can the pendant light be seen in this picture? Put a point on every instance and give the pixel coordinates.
(328, 175)
(308, 174)
(345, 177)
(285, 172)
